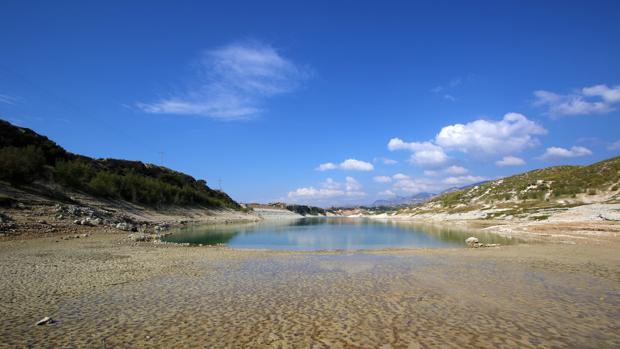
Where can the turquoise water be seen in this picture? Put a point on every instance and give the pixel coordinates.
(328, 233)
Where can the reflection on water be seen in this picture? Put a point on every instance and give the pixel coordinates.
(333, 233)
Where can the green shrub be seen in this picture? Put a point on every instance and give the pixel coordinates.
(74, 173)
(21, 165)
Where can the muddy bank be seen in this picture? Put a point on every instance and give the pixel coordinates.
(104, 290)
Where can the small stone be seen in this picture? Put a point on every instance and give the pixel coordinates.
(45, 321)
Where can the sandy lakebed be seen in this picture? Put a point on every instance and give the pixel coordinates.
(105, 291)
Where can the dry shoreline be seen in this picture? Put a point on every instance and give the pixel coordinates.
(105, 290)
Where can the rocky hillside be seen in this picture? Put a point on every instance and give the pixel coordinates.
(549, 188)
(35, 164)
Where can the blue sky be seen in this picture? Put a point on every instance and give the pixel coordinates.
(319, 102)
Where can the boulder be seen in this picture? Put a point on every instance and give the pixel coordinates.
(125, 226)
(472, 241)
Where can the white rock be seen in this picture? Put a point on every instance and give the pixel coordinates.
(46, 320)
(472, 241)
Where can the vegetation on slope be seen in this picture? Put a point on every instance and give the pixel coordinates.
(26, 157)
(538, 188)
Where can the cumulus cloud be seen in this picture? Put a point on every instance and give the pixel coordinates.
(558, 153)
(233, 82)
(509, 160)
(348, 164)
(326, 166)
(400, 176)
(313, 193)
(514, 133)
(356, 165)
(382, 179)
(456, 170)
(329, 190)
(423, 153)
(598, 99)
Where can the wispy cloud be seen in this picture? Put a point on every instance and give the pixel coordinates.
(614, 146)
(385, 161)
(348, 164)
(233, 82)
(6, 99)
(598, 99)
(552, 153)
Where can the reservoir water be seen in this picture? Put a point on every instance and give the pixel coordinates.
(328, 233)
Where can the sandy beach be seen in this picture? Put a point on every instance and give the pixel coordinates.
(106, 291)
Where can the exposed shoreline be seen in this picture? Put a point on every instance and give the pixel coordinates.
(47, 276)
(104, 289)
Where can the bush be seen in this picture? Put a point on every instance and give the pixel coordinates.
(21, 165)
(74, 173)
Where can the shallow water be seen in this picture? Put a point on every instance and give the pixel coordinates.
(329, 233)
(345, 301)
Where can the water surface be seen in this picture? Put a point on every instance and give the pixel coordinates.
(328, 233)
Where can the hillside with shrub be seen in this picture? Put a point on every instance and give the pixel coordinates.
(27, 158)
(553, 187)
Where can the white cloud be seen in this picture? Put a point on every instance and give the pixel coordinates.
(611, 95)
(456, 170)
(232, 82)
(558, 152)
(614, 146)
(385, 161)
(357, 165)
(510, 161)
(329, 190)
(414, 186)
(382, 179)
(578, 103)
(400, 176)
(513, 133)
(424, 153)
(348, 164)
(326, 166)
(313, 193)
(463, 180)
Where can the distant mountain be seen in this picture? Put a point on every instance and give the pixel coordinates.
(404, 200)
